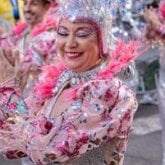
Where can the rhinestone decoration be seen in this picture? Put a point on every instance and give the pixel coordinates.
(75, 79)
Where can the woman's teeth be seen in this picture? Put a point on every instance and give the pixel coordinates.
(72, 54)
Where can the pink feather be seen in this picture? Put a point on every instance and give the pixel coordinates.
(49, 23)
(162, 9)
(19, 28)
(47, 82)
(120, 58)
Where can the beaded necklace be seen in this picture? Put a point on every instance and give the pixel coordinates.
(75, 79)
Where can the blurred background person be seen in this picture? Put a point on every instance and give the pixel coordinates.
(33, 39)
(156, 22)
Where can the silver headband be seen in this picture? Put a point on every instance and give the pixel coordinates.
(99, 11)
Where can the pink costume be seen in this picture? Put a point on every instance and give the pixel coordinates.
(96, 109)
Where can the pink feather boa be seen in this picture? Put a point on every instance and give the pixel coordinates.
(17, 30)
(47, 81)
(49, 23)
(120, 58)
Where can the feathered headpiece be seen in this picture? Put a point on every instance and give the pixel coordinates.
(97, 12)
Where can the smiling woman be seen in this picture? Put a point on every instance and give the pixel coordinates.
(78, 45)
(78, 106)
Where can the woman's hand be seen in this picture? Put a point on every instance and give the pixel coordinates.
(21, 72)
(6, 69)
(11, 72)
(10, 55)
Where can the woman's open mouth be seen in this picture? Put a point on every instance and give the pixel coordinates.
(73, 55)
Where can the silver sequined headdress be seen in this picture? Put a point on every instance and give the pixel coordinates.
(98, 12)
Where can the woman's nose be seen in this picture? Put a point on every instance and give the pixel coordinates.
(71, 42)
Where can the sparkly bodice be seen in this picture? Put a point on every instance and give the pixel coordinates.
(71, 80)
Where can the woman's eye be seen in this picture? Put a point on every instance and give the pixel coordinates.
(64, 34)
(84, 34)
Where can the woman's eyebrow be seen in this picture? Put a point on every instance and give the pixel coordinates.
(85, 28)
(63, 27)
(78, 29)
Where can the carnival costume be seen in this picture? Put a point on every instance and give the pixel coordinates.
(98, 111)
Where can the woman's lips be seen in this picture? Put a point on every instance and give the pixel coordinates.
(73, 55)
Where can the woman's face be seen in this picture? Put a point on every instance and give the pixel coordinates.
(78, 45)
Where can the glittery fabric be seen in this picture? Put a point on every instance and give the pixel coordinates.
(10, 103)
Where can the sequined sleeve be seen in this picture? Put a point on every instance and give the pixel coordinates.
(102, 111)
(11, 104)
(12, 111)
